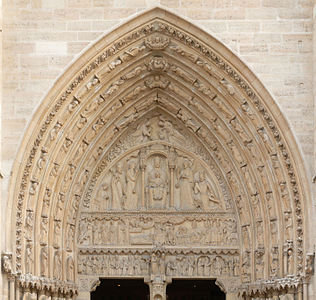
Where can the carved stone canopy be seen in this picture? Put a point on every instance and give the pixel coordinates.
(158, 136)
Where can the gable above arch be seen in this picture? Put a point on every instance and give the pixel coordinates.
(158, 78)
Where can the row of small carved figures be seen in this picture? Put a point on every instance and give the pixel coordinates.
(180, 238)
(182, 265)
(122, 233)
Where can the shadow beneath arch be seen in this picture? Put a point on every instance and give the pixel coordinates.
(194, 290)
(121, 289)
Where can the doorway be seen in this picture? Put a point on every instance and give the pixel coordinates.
(194, 290)
(121, 289)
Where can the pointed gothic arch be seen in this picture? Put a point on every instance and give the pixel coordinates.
(158, 86)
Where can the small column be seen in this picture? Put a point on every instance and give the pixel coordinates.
(26, 293)
(232, 296)
(55, 296)
(171, 167)
(300, 292)
(11, 279)
(291, 293)
(42, 295)
(305, 291)
(142, 168)
(17, 292)
(285, 271)
(172, 161)
(275, 296)
(34, 295)
(83, 295)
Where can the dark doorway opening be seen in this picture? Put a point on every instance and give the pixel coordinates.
(194, 290)
(121, 289)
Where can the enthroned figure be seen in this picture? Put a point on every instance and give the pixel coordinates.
(157, 185)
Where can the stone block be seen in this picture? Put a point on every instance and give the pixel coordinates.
(229, 14)
(89, 36)
(276, 26)
(269, 38)
(103, 25)
(198, 14)
(170, 3)
(14, 127)
(245, 3)
(243, 26)
(118, 13)
(192, 4)
(302, 26)
(79, 3)
(129, 3)
(48, 4)
(279, 3)
(57, 48)
(76, 47)
(19, 48)
(103, 3)
(35, 15)
(91, 14)
(261, 13)
(34, 61)
(215, 26)
(253, 49)
(297, 13)
(59, 61)
(79, 26)
(52, 25)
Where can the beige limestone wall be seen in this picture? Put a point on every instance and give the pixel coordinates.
(313, 288)
(41, 37)
(2, 201)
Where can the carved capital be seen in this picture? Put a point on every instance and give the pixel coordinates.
(6, 260)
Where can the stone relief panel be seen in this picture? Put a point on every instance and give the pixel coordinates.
(158, 188)
(173, 230)
(166, 179)
(159, 263)
(158, 175)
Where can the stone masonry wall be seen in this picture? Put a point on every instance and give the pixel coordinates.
(41, 37)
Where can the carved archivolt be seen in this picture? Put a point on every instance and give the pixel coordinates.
(158, 121)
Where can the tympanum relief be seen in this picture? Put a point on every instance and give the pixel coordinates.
(158, 190)
(160, 175)
(180, 184)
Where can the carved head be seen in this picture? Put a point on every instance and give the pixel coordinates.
(186, 163)
(105, 186)
(131, 164)
(157, 162)
(119, 167)
(202, 175)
